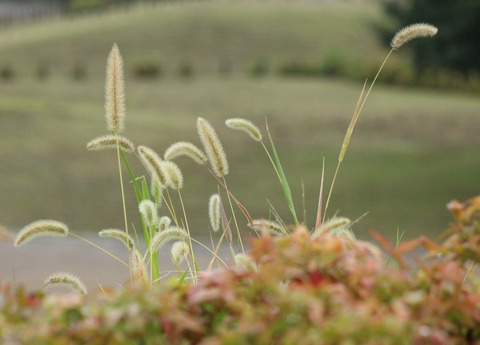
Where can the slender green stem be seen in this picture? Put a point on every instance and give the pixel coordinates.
(233, 215)
(192, 255)
(283, 180)
(100, 248)
(358, 109)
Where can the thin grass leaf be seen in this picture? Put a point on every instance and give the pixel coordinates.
(283, 180)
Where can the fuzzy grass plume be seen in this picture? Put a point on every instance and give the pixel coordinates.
(246, 126)
(411, 32)
(66, 279)
(214, 211)
(213, 147)
(115, 92)
(40, 228)
(169, 234)
(153, 163)
(268, 225)
(148, 210)
(110, 141)
(183, 148)
(120, 235)
(174, 174)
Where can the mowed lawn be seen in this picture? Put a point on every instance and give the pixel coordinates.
(411, 153)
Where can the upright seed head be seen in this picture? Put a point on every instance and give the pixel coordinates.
(115, 92)
(156, 191)
(412, 31)
(183, 148)
(214, 211)
(246, 126)
(40, 228)
(138, 267)
(110, 142)
(148, 210)
(66, 279)
(164, 223)
(213, 147)
(174, 173)
(153, 163)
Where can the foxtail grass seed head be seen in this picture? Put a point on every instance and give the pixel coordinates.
(66, 279)
(148, 210)
(153, 163)
(270, 226)
(174, 173)
(179, 252)
(411, 32)
(156, 191)
(334, 224)
(40, 228)
(245, 262)
(213, 147)
(214, 211)
(164, 223)
(138, 267)
(115, 92)
(183, 148)
(246, 126)
(120, 235)
(110, 142)
(169, 234)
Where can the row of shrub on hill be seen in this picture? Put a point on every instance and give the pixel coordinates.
(334, 65)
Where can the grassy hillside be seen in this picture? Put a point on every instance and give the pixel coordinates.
(411, 153)
(205, 34)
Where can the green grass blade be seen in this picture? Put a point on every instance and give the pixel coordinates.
(283, 180)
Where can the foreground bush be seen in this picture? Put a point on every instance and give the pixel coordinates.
(291, 290)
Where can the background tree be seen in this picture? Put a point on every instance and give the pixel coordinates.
(456, 47)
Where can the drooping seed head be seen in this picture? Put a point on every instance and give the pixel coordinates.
(169, 234)
(115, 92)
(334, 224)
(183, 148)
(153, 163)
(213, 147)
(174, 173)
(214, 211)
(246, 126)
(180, 250)
(40, 228)
(120, 235)
(66, 279)
(148, 210)
(411, 32)
(110, 142)
(269, 226)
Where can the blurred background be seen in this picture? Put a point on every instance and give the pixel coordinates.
(299, 64)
